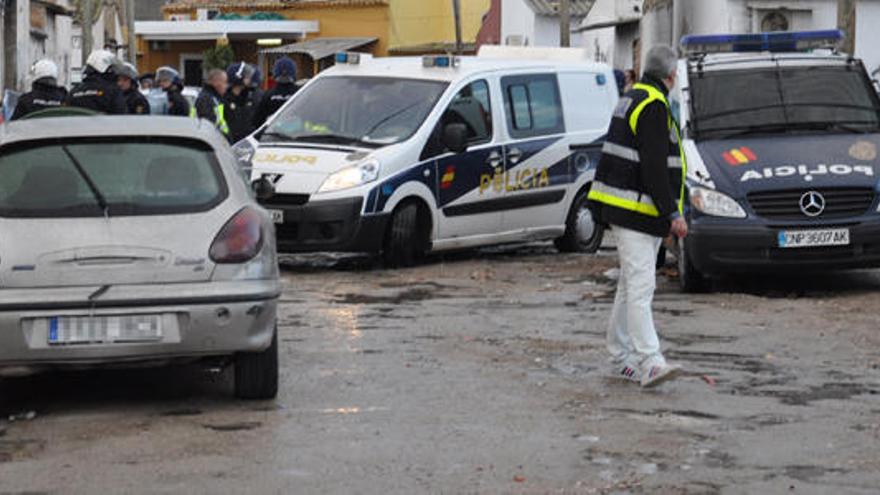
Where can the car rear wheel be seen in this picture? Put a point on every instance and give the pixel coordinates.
(256, 373)
(690, 280)
(582, 233)
(404, 244)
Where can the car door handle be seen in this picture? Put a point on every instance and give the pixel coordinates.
(495, 159)
(514, 155)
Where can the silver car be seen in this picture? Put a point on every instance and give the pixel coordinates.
(132, 241)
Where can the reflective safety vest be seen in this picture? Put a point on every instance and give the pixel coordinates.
(618, 181)
(219, 114)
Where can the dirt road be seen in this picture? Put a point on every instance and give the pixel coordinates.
(485, 373)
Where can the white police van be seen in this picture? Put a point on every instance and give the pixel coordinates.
(409, 155)
(781, 137)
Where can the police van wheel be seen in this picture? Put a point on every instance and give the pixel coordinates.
(690, 280)
(404, 244)
(582, 233)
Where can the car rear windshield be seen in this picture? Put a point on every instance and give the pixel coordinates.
(106, 177)
(356, 111)
(783, 99)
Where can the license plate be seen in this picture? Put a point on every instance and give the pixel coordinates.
(813, 238)
(277, 216)
(72, 330)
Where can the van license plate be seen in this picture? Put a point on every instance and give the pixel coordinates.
(813, 238)
(277, 216)
(72, 330)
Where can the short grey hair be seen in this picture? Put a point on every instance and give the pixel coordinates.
(661, 62)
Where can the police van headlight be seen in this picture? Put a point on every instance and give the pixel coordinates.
(358, 175)
(716, 204)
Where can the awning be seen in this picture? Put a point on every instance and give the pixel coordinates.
(212, 30)
(606, 24)
(318, 48)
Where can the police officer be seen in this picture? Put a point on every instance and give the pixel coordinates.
(169, 94)
(128, 82)
(633, 192)
(147, 81)
(98, 90)
(45, 92)
(240, 104)
(284, 73)
(209, 104)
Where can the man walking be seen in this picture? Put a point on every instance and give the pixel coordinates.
(633, 193)
(209, 104)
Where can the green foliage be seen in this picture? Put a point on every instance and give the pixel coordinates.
(219, 57)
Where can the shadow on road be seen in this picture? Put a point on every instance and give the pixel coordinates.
(109, 389)
(319, 262)
(797, 285)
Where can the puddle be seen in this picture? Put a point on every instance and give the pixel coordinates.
(685, 340)
(673, 311)
(827, 391)
(18, 450)
(181, 412)
(415, 294)
(228, 427)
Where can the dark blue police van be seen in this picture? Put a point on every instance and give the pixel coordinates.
(781, 138)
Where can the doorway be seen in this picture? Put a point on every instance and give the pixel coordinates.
(192, 69)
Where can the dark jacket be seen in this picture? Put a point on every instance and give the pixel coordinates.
(239, 110)
(177, 104)
(136, 102)
(657, 147)
(206, 104)
(41, 97)
(272, 101)
(100, 93)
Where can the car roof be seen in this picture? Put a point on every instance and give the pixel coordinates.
(760, 60)
(413, 68)
(106, 126)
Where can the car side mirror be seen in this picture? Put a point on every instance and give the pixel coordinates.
(455, 137)
(263, 188)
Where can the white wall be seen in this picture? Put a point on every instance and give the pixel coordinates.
(517, 19)
(600, 43)
(22, 41)
(868, 34)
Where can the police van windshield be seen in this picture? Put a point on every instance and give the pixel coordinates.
(364, 111)
(783, 100)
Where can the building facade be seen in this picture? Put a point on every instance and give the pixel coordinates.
(537, 22)
(666, 21)
(610, 32)
(32, 30)
(390, 27)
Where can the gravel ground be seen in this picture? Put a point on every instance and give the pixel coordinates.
(484, 372)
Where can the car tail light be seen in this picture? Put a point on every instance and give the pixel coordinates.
(240, 240)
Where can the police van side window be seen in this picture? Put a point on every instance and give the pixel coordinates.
(471, 107)
(533, 105)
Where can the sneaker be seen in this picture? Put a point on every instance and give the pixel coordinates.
(659, 373)
(628, 372)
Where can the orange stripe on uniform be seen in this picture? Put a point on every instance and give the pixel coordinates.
(749, 153)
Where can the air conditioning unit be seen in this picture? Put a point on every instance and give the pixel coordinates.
(516, 40)
(207, 14)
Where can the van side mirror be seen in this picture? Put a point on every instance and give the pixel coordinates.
(263, 188)
(455, 137)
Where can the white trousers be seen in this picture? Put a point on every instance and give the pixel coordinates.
(632, 337)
